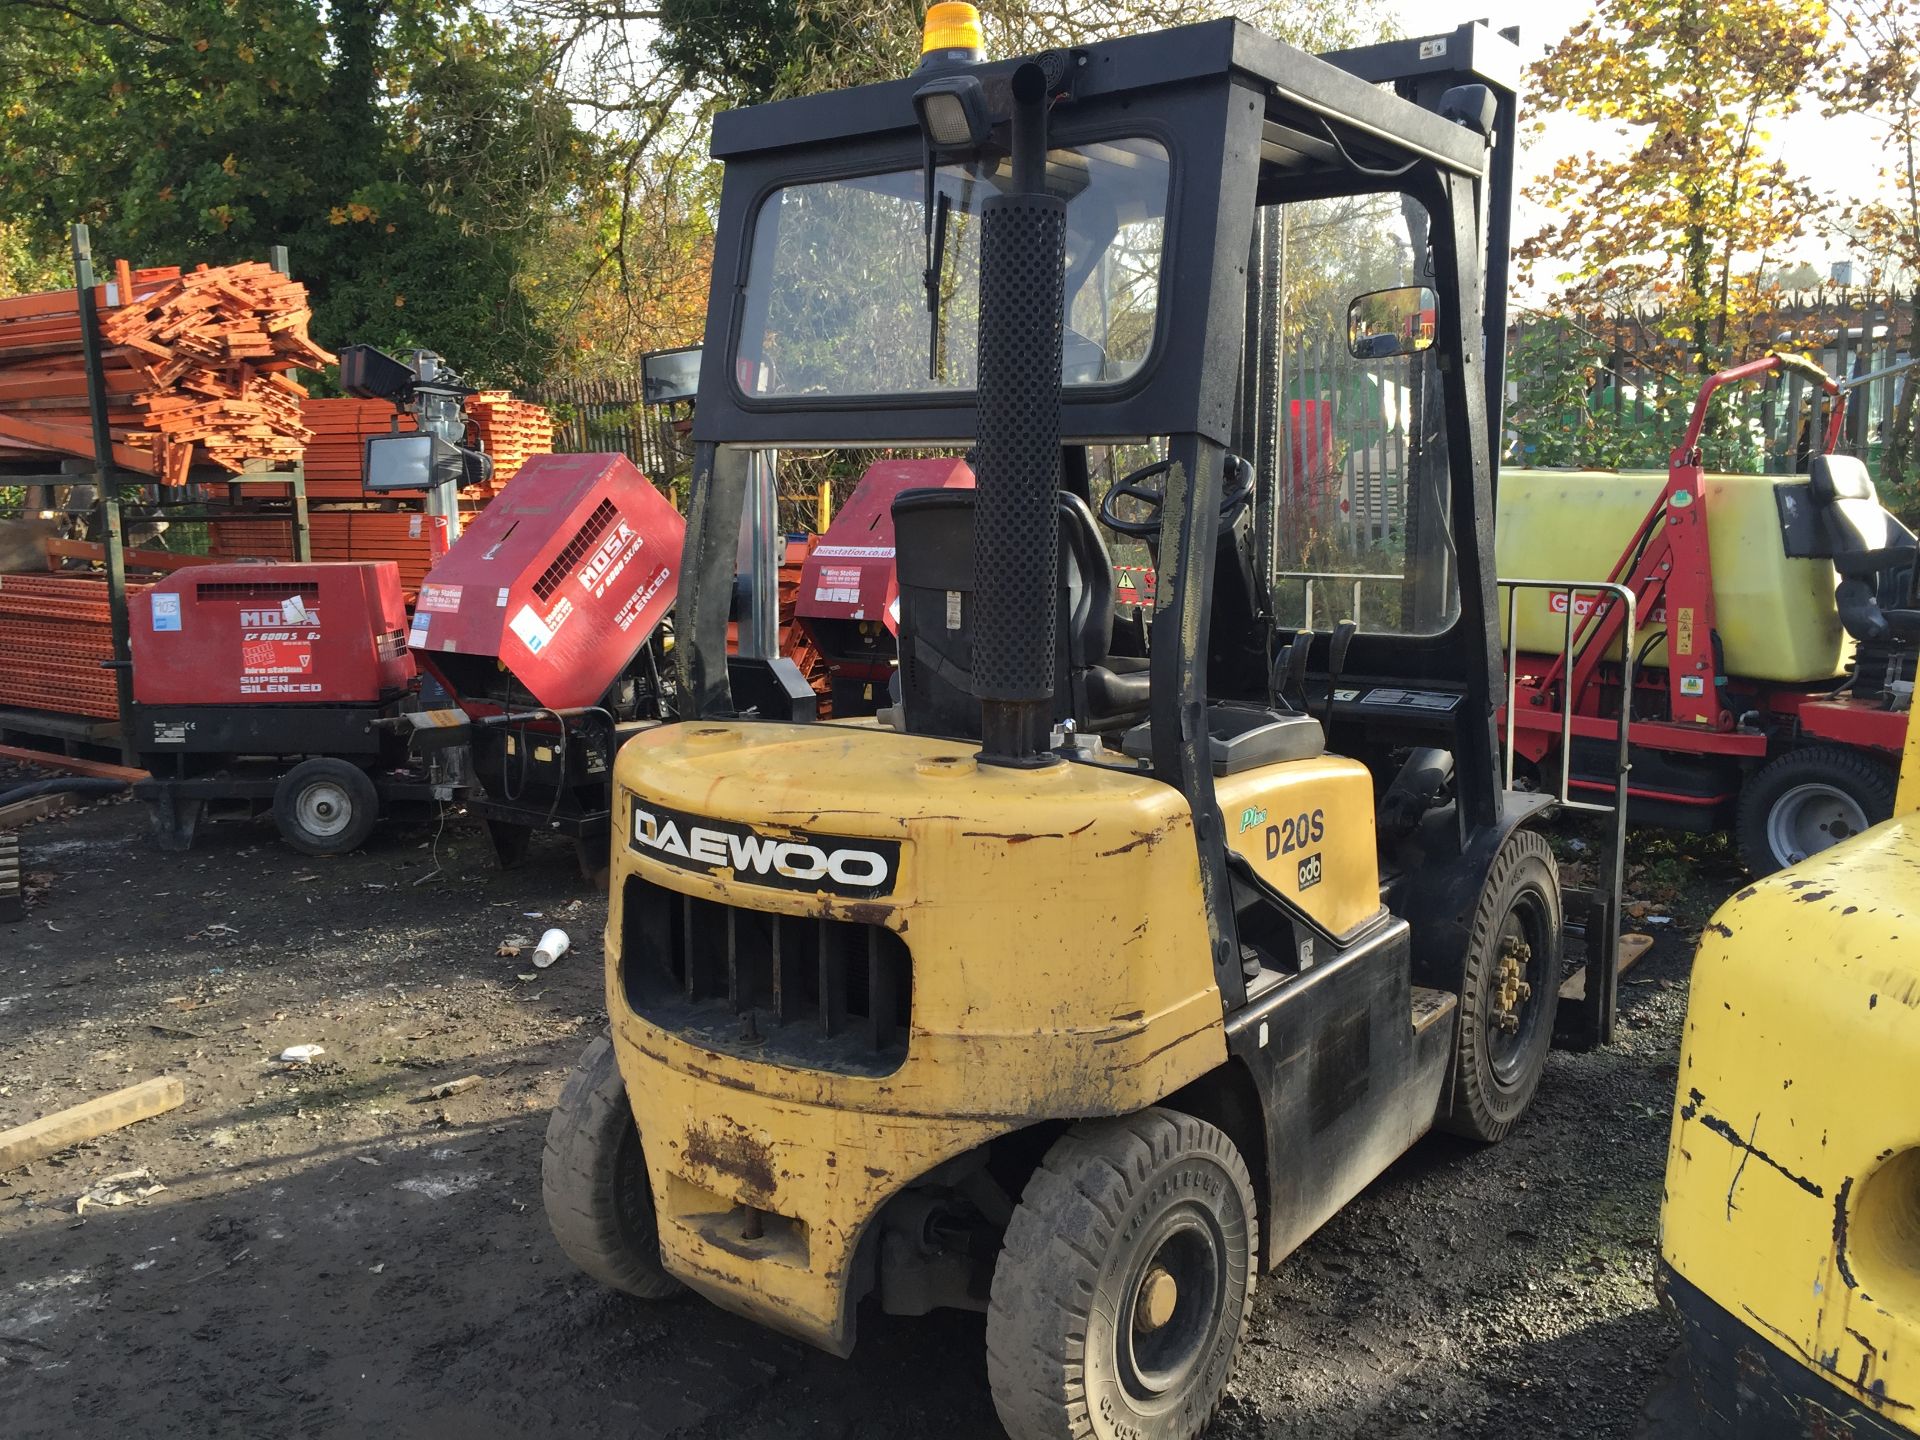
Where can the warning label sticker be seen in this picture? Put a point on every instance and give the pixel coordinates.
(1412, 699)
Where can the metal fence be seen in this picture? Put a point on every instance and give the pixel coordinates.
(1636, 379)
(612, 415)
(1345, 440)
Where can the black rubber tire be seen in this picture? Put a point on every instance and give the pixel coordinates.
(593, 1182)
(1071, 1268)
(1523, 881)
(353, 788)
(1870, 784)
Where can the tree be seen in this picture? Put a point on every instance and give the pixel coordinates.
(640, 280)
(746, 51)
(1692, 208)
(1877, 73)
(410, 153)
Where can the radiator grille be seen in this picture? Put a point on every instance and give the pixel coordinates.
(799, 990)
(261, 590)
(576, 550)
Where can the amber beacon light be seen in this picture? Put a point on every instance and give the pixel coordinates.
(951, 35)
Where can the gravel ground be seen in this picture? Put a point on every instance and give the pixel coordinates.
(336, 1254)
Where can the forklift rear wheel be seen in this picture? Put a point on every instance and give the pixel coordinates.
(1125, 1283)
(593, 1181)
(1804, 801)
(1509, 991)
(325, 806)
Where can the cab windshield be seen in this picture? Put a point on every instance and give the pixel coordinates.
(837, 302)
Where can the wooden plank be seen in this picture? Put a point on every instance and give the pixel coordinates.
(1633, 949)
(89, 1120)
(59, 727)
(38, 807)
(72, 764)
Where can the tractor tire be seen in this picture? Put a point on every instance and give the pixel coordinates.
(1509, 991)
(325, 806)
(593, 1182)
(1123, 1288)
(1801, 802)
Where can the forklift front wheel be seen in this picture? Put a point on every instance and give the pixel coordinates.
(1509, 991)
(593, 1181)
(325, 806)
(1123, 1288)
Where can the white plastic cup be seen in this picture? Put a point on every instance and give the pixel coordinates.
(552, 946)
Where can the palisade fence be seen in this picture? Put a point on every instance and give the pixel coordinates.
(1349, 422)
(1636, 395)
(612, 415)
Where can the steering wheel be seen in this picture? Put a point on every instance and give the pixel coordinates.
(1235, 496)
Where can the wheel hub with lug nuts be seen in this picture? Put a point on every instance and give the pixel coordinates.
(1159, 1294)
(1511, 991)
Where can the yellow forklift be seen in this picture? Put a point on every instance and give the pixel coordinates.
(1790, 1230)
(1102, 967)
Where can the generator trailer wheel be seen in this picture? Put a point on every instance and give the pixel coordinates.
(1509, 991)
(1122, 1291)
(1805, 800)
(593, 1182)
(325, 806)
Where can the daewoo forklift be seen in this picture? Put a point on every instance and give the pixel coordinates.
(1094, 975)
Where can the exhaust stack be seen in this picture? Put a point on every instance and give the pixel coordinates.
(1016, 539)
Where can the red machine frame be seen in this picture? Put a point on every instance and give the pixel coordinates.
(1668, 567)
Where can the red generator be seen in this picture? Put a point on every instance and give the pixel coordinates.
(848, 588)
(259, 686)
(541, 623)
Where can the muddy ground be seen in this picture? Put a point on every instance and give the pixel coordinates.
(335, 1255)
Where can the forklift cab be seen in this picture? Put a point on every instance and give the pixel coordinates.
(1197, 919)
(1229, 204)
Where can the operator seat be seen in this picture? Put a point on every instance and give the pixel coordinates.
(1873, 552)
(933, 555)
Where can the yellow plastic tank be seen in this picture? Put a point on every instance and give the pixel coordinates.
(1775, 616)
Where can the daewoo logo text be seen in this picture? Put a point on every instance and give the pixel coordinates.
(839, 865)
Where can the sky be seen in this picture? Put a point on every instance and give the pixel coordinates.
(1838, 156)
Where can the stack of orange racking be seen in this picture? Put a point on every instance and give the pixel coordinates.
(336, 455)
(195, 365)
(56, 633)
(511, 431)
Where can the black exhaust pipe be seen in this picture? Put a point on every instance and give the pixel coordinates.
(1016, 537)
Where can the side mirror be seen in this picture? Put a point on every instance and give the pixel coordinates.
(669, 376)
(1391, 322)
